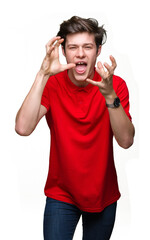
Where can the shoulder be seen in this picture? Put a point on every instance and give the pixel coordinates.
(120, 88)
(119, 83)
(55, 80)
(118, 80)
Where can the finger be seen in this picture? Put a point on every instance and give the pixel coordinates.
(109, 68)
(100, 69)
(113, 61)
(93, 82)
(100, 66)
(59, 42)
(56, 46)
(67, 66)
(50, 50)
(51, 42)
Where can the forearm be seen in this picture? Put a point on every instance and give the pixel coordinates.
(122, 127)
(27, 116)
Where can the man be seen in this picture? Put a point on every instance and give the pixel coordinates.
(84, 107)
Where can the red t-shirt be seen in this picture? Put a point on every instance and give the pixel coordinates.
(81, 170)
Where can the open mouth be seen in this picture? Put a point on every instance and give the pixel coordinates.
(81, 67)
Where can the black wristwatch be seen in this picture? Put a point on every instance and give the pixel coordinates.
(115, 104)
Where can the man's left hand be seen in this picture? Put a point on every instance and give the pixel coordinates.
(106, 84)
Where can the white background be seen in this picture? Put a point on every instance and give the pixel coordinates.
(26, 26)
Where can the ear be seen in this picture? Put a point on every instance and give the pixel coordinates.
(63, 51)
(99, 50)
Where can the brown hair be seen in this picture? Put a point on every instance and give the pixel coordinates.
(78, 24)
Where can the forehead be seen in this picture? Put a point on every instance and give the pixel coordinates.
(80, 38)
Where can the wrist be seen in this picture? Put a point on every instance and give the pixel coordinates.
(42, 76)
(110, 98)
(40, 81)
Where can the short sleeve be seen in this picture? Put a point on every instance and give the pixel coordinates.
(45, 101)
(123, 93)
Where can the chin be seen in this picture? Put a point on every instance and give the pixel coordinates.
(80, 77)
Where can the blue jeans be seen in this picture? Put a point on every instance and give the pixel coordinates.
(61, 218)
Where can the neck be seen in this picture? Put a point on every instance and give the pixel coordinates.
(79, 83)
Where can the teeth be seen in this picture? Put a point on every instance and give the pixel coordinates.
(80, 63)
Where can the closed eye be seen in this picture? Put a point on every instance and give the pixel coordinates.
(72, 47)
(88, 47)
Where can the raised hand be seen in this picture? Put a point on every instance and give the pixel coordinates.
(106, 84)
(51, 64)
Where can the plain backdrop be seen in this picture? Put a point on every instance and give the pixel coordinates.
(25, 28)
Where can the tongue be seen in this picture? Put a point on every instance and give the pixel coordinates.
(80, 68)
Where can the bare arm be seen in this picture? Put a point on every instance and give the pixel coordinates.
(122, 127)
(31, 110)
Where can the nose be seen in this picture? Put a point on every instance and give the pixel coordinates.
(80, 52)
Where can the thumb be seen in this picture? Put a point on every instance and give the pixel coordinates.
(68, 66)
(100, 69)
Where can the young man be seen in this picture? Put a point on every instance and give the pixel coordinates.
(84, 107)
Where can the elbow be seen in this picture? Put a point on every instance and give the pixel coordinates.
(126, 143)
(127, 139)
(22, 131)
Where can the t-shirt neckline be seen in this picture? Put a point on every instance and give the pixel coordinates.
(74, 87)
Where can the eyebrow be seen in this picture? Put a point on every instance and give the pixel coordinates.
(73, 44)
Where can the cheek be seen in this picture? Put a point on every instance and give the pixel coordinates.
(92, 61)
(92, 56)
(69, 56)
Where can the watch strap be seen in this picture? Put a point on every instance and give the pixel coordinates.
(110, 105)
(115, 104)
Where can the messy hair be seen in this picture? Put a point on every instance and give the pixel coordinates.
(78, 24)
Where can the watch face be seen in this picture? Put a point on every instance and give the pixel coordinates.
(117, 102)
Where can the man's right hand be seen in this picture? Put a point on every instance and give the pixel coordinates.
(51, 64)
